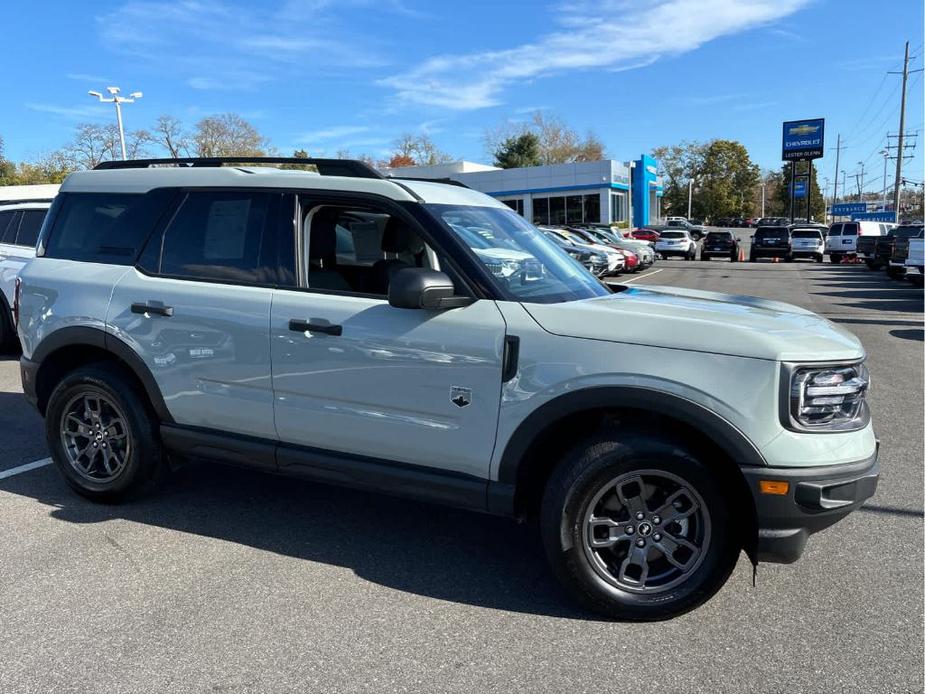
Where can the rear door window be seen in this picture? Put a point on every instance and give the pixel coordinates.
(9, 221)
(835, 230)
(850, 230)
(29, 227)
(226, 237)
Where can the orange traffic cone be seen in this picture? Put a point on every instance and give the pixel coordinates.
(741, 255)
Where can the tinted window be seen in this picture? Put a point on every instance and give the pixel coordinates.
(772, 232)
(9, 220)
(835, 230)
(223, 236)
(849, 230)
(719, 236)
(806, 234)
(908, 232)
(29, 227)
(674, 235)
(104, 227)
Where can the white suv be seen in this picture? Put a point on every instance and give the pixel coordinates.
(676, 242)
(19, 230)
(337, 326)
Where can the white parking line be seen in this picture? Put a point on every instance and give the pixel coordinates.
(639, 277)
(34, 465)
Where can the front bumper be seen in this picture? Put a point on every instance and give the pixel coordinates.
(817, 498)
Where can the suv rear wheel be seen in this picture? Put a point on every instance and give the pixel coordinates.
(637, 528)
(102, 434)
(7, 334)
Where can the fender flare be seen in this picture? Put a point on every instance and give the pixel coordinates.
(77, 335)
(722, 432)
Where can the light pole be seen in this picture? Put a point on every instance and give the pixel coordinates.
(825, 194)
(844, 182)
(690, 196)
(118, 101)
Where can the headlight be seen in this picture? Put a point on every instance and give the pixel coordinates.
(828, 398)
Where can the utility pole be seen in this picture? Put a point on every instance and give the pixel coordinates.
(690, 196)
(763, 186)
(860, 180)
(118, 101)
(825, 195)
(899, 145)
(838, 149)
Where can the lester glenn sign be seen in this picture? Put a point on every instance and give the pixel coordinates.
(803, 139)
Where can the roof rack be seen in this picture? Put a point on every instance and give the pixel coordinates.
(326, 167)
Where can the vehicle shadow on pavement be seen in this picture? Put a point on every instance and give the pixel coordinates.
(419, 548)
(865, 290)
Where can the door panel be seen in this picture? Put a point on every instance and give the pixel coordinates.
(211, 357)
(384, 386)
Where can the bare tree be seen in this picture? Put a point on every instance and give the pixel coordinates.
(557, 142)
(228, 135)
(169, 133)
(418, 149)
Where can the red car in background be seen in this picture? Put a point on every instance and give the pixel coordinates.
(649, 235)
(631, 260)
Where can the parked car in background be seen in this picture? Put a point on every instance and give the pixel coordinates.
(899, 239)
(642, 251)
(773, 221)
(720, 244)
(696, 233)
(645, 234)
(676, 242)
(596, 263)
(771, 242)
(843, 237)
(616, 261)
(866, 248)
(807, 242)
(19, 230)
(915, 261)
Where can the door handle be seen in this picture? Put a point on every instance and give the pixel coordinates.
(301, 326)
(159, 310)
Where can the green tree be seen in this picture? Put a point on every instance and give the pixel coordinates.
(727, 180)
(782, 194)
(518, 151)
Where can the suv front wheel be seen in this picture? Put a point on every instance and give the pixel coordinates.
(637, 528)
(102, 435)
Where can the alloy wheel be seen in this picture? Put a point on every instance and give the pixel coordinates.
(646, 531)
(95, 436)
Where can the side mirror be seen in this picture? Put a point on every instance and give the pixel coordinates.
(415, 287)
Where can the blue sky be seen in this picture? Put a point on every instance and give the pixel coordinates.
(354, 74)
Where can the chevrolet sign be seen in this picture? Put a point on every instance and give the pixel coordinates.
(803, 139)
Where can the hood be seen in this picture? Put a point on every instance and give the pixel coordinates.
(702, 321)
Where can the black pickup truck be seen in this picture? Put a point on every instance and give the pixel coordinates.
(893, 250)
(867, 251)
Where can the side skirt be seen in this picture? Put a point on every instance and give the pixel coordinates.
(330, 467)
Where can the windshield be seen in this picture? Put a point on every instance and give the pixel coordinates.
(673, 235)
(527, 266)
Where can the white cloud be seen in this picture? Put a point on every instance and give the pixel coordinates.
(336, 132)
(84, 77)
(73, 112)
(594, 34)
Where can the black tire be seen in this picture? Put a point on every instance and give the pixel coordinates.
(788, 258)
(896, 273)
(589, 468)
(144, 465)
(835, 258)
(819, 258)
(8, 340)
(704, 256)
(734, 258)
(871, 265)
(752, 259)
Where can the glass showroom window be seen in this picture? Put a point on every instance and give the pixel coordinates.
(517, 205)
(618, 207)
(571, 209)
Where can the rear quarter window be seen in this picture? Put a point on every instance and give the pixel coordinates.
(104, 227)
(849, 230)
(29, 227)
(9, 222)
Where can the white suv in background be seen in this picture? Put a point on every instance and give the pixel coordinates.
(676, 242)
(20, 224)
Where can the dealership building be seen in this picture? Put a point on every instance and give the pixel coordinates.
(604, 192)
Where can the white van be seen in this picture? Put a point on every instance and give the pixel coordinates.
(843, 237)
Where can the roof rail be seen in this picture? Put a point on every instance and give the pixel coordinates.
(326, 167)
(445, 181)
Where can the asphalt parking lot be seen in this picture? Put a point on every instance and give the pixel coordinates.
(229, 580)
